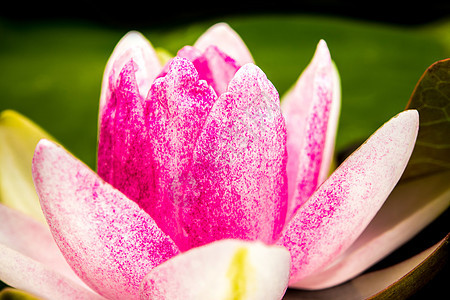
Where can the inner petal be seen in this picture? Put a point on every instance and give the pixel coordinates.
(213, 65)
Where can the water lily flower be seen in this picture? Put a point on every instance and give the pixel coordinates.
(206, 187)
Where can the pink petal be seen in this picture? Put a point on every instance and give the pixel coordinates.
(227, 269)
(410, 207)
(122, 133)
(31, 238)
(227, 40)
(146, 148)
(337, 213)
(236, 185)
(306, 109)
(212, 65)
(333, 119)
(130, 71)
(176, 110)
(24, 273)
(106, 238)
(136, 47)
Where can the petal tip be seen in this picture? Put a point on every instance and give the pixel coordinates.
(132, 37)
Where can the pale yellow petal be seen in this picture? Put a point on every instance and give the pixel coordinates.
(18, 139)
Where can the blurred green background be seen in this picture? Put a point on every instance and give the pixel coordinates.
(51, 70)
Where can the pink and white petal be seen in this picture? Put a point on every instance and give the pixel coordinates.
(226, 269)
(24, 273)
(136, 47)
(213, 66)
(222, 68)
(237, 186)
(411, 206)
(339, 211)
(227, 40)
(307, 109)
(106, 238)
(333, 121)
(33, 239)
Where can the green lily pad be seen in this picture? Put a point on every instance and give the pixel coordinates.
(431, 98)
(51, 71)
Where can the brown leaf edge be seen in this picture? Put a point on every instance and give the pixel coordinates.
(420, 270)
(431, 97)
(420, 275)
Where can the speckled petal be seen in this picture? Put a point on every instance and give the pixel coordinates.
(237, 181)
(132, 46)
(175, 113)
(306, 109)
(106, 238)
(129, 73)
(338, 212)
(227, 40)
(411, 207)
(121, 133)
(22, 272)
(227, 269)
(33, 239)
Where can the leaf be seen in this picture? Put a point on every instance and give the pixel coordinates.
(396, 282)
(431, 98)
(52, 71)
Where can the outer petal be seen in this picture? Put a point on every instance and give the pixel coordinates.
(410, 207)
(227, 269)
(337, 213)
(333, 120)
(227, 40)
(18, 139)
(132, 46)
(33, 239)
(106, 238)
(310, 135)
(237, 181)
(26, 274)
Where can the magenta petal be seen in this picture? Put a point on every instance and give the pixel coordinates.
(122, 134)
(175, 113)
(132, 46)
(306, 109)
(337, 213)
(237, 181)
(106, 238)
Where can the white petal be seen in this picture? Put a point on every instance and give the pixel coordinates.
(227, 269)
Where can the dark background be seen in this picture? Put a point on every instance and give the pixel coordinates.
(138, 14)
